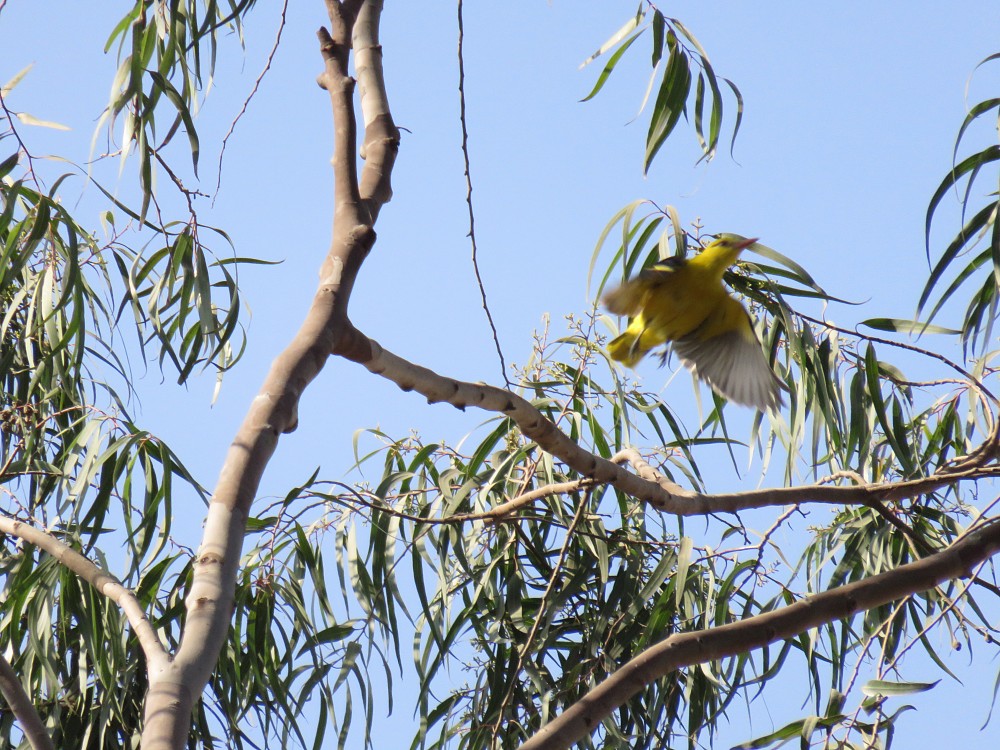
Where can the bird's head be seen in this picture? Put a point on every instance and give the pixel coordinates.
(723, 251)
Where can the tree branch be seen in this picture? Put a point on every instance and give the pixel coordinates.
(649, 486)
(103, 582)
(23, 709)
(253, 92)
(686, 649)
(174, 689)
(381, 143)
(505, 512)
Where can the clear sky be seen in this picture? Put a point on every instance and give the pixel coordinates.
(851, 113)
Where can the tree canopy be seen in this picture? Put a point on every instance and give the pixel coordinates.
(586, 561)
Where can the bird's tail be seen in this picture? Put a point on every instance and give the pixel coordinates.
(627, 348)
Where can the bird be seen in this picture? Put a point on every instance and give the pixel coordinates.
(682, 301)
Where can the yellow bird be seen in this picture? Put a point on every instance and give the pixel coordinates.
(683, 301)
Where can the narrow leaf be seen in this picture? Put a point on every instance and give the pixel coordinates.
(623, 32)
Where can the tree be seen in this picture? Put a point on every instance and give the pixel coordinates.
(546, 555)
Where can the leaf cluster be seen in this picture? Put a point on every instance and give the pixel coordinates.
(167, 53)
(975, 248)
(682, 76)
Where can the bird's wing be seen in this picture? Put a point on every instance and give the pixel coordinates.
(663, 268)
(734, 364)
(625, 299)
(628, 298)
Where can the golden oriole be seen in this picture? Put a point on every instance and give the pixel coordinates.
(683, 301)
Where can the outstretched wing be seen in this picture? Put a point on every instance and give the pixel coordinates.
(628, 298)
(733, 363)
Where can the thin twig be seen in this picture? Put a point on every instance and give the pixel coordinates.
(766, 538)
(189, 195)
(468, 192)
(976, 382)
(20, 142)
(497, 514)
(879, 634)
(246, 102)
(951, 604)
(557, 571)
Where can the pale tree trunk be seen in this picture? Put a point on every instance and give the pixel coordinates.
(175, 685)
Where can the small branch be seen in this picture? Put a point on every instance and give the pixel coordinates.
(686, 649)
(23, 709)
(253, 92)
(504, 511)
(468, 191)
(335, 48)
(969, 377)
(989, 449)
(918, 544)
(189, 195)
(497, 514)
(104, 583)
(649, 486)
(30, 167)
(381, 143)
(766, 537)
(951, 605)
(557, 574)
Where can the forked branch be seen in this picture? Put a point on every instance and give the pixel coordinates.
(175, 686)
(646, 484)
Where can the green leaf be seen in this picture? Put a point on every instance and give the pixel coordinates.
(659, 27)
(966, 166)
(798, 272)
(683, 566)
(8, 164)
(898, 325)
(246, 262)
(332, 634)
(615, 38)
(669, 106)
(983, 219)
(610, 66)
(889, 689)
(739, 113)
(872, 369)
(183, 107)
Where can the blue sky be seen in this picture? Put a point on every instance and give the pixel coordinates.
(851, 113)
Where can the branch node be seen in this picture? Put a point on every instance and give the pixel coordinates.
(363, 235)
(326, 44)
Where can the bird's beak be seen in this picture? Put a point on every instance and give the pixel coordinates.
(743, 245)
